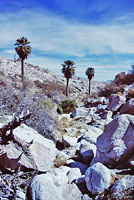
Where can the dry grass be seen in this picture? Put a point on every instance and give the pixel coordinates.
(59, 161)
(49, 88)
(77, 134)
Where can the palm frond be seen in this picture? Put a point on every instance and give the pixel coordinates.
(22, 49)
(68, 69)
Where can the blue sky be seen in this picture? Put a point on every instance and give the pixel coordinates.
(92, 33)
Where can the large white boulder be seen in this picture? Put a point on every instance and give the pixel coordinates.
(28, 150)
(97, 178)
(115, 146)
(43, 188)
(46, 187)
(115, 101)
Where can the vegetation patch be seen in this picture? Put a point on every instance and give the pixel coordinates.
(60, 161)
(66, 106)
(49, 88)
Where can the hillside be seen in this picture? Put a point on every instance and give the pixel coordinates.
(84, 154)
(78, 86)
(41, 93)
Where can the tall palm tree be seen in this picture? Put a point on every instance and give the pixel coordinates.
(68, 71)
(90, 74)
(23, 50)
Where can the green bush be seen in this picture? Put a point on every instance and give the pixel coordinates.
(66, 106)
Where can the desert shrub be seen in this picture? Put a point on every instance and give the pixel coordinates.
(59, 161)
(66, 106)
(49, 87)
(14, 100)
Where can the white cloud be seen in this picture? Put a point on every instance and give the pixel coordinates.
(53, 35)
(9, 51)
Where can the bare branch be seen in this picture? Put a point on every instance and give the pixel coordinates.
(16, 121)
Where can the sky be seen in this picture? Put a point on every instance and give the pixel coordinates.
(91, 33)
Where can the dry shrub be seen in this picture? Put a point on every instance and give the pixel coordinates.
(13, 100)
(49, 88)
(59, 161)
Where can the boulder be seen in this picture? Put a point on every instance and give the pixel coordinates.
(91, 135)
(45, 187)
(81, 112)
(59, 175)
(20, 195)
(128, 107)
(28, 150)
(97, 178)
(76, 164)
(101, 108)
(115, 146)
(107, 115)
(128, 90)
(99, 100)
(86, 197)
(80, 180)
(69, 141)
(42, 187)
(85, 145)
(86, 151)
(119, 77)
(73, 174)
(121, 185)
(115, 102)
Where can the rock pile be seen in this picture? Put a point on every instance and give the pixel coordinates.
(93, 156)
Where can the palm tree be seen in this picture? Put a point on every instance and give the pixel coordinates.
(90, 74)
(23, 50)
(68, 71)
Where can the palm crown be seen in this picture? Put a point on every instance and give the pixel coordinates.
(23, 49)
(68, 69)
(90, 72)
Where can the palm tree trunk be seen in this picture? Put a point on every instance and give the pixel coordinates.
(67, 88)
(89, 86)
(22, 70)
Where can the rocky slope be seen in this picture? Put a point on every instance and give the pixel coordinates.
(92, 153)
(79, 86)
